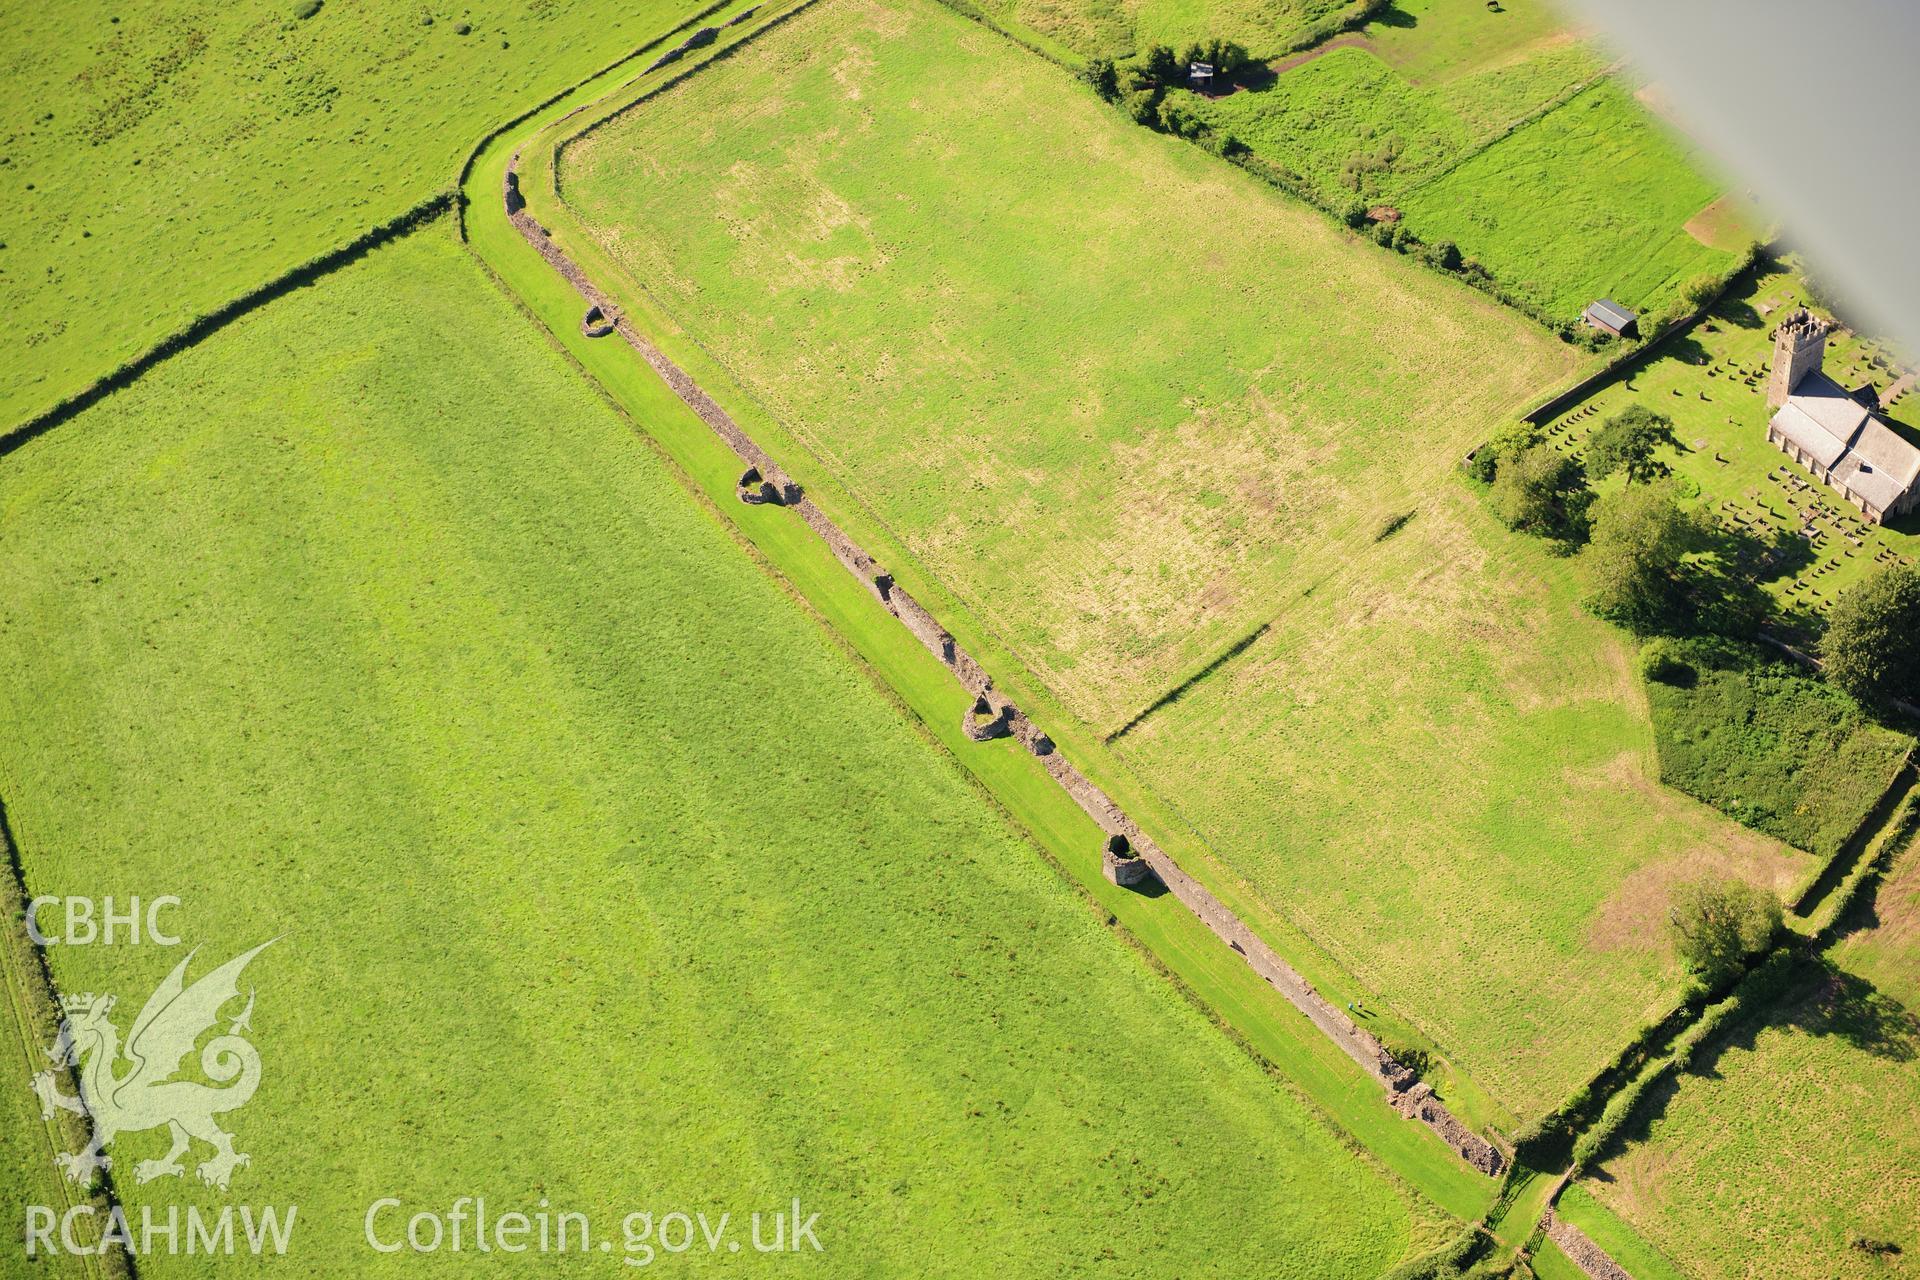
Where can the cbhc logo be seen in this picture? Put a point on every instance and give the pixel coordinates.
(88, 923)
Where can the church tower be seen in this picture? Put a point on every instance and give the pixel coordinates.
(1799, 344)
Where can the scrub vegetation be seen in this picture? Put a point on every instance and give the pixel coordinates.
(1768, 743)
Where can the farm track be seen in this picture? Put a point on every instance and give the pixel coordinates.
(1398, 1083)
(1281, 66)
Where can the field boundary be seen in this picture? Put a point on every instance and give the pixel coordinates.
(553, 100)
(660, 87)
(1312, 36)
(220, 317)
(1179, 690)
(204, 326)
(33, 1008)
(1414, 1100)
(1533, 116)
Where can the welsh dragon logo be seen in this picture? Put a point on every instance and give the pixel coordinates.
(125, 1089)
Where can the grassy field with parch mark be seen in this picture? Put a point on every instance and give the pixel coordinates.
(602, 877)
(157, 160)
(1441, 770)
(944, 269)
(1793, 1135)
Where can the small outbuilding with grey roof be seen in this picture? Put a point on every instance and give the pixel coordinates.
(1612, 317)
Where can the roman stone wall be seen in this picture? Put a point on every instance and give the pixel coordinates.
(1358, 1043)
(1586, 1255)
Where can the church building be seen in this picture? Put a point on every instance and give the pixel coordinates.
(1839, 436)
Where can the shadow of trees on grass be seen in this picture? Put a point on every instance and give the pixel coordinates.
(1819, 999)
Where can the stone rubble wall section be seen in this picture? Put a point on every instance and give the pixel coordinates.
(1358, 1043)
(1578, 1246)
(699, 39)
(1420, 1103)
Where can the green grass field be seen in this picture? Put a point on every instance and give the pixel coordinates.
(157, 160)
(1319, 117)
(1794, 1135)
(1355, 101)
(1437, 767)
(884, 227)
(28, 1175)
(1594, 197)
(1433, 41)
(1549, 1263)
(1712, 382)
(1591, 200)
(1245, 1003)
(603, 876)
(1758, 738)
(1075, 29)
(1185, 499)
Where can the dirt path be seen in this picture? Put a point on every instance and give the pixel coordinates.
(1287, 64)
(1405, 1094)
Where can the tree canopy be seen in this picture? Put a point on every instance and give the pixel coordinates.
(1700, 290)
(1541, 490)
(1628, 441)
(1716, 926)
(1641, 538)
(1872, 645)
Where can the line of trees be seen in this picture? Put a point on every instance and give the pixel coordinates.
(1139, 85)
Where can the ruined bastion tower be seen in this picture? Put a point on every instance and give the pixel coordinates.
(1799, 344)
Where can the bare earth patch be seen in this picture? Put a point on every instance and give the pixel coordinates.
(1635, 915)
(1727, 224)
